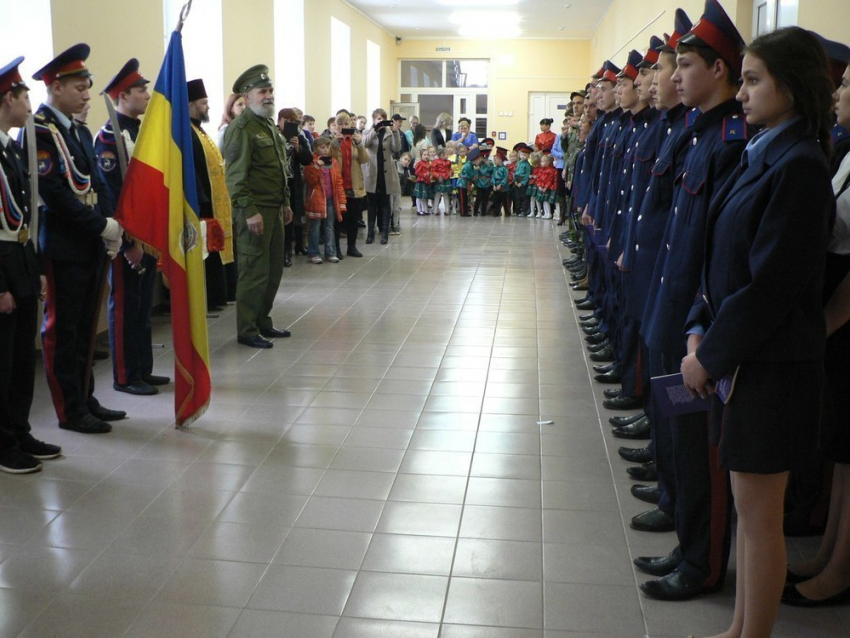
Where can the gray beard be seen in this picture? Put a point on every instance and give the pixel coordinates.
(205, 117)
(263, 110)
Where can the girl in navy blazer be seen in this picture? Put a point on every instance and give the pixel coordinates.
(760, 318)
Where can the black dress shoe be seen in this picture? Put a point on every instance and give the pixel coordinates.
(626, 420)
(622, 403)
(156, 379)
(647, 493)
(89, 424)
(792, 596)
(637, 431)
(287, 262)
(602, 368)
(674, 586)
(612, 376)
(657, 565)
(606, 354)
(653, 520)
(644, 472)
(595, 339)
(274, 333)
(579, 287)
(255, 342)
(353, 252)
(589, 316)
(384, 237)
(635, 454)
(585, 305)
(28, 444)
(139, 388)
(591, 330)
(579, 274)
(610, 393)
(105, 414)
(596, 347)
(370, 238)
(590, 323)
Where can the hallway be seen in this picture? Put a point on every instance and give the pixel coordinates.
(426, 456)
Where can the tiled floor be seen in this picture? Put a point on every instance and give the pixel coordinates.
(381, 474)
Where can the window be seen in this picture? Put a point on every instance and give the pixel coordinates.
(203, 49)
(31, 37)
(373, 76)
(290, 81)
(463, 74)
(423, 74)
(341, 65)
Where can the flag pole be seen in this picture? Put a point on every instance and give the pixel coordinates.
(184, 13)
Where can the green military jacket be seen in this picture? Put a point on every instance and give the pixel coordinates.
(255, 155)
(574, 147)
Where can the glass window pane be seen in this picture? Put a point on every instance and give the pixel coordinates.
(430, 106)
(481, 103)
(423, 74)
(481, 127)
(467, 73)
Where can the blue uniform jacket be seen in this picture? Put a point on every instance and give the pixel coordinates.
(590, 148)
(644, 153)
(69, 229)
(718, 138)
(637, 130)
(761, 305)
(654, 208)
(612, 179)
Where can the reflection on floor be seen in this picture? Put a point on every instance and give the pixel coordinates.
(380, 474)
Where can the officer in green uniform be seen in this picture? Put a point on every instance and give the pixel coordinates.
(256, 179)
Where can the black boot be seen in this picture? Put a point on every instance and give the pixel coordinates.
(384, 237)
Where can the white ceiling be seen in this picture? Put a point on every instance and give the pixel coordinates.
(537, 18)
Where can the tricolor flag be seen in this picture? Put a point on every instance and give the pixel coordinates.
(159, 207)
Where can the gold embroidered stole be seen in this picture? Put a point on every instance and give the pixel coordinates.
(220, 198)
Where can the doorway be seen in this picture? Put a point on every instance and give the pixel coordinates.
(542, 105)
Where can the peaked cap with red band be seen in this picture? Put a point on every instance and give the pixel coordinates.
(67, 64)
(127, 78)
(716, 31)
(10, 76)
(610, 71)
(631, 69)
(681, 26)
(651, 55)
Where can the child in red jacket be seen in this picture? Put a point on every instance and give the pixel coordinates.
(547, 185)
(424, 178)
(442, 171)
(324, 201)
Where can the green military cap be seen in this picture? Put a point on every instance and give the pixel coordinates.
(254, 78)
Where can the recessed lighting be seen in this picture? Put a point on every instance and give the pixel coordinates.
(568, 6)
(560, 28)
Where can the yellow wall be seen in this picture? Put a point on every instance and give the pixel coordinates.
(827, 17)
(111, 43)
(517, 67)
(628, 25)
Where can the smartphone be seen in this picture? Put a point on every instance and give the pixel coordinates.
(326, 160)
(290, 130)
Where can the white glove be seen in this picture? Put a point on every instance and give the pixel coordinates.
(112, 246)
(112, 231)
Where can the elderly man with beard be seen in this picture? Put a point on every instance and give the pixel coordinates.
(256, 179)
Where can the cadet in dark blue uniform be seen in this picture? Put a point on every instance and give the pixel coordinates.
(75, 224)
(708, 60)
(760, 316)
(20, 287)
(656, 202)
(132, 274)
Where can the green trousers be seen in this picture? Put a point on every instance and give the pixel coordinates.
(260, 271)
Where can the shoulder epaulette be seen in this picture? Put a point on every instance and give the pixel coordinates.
(839, 133)
(691, 117)
(735, 128)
